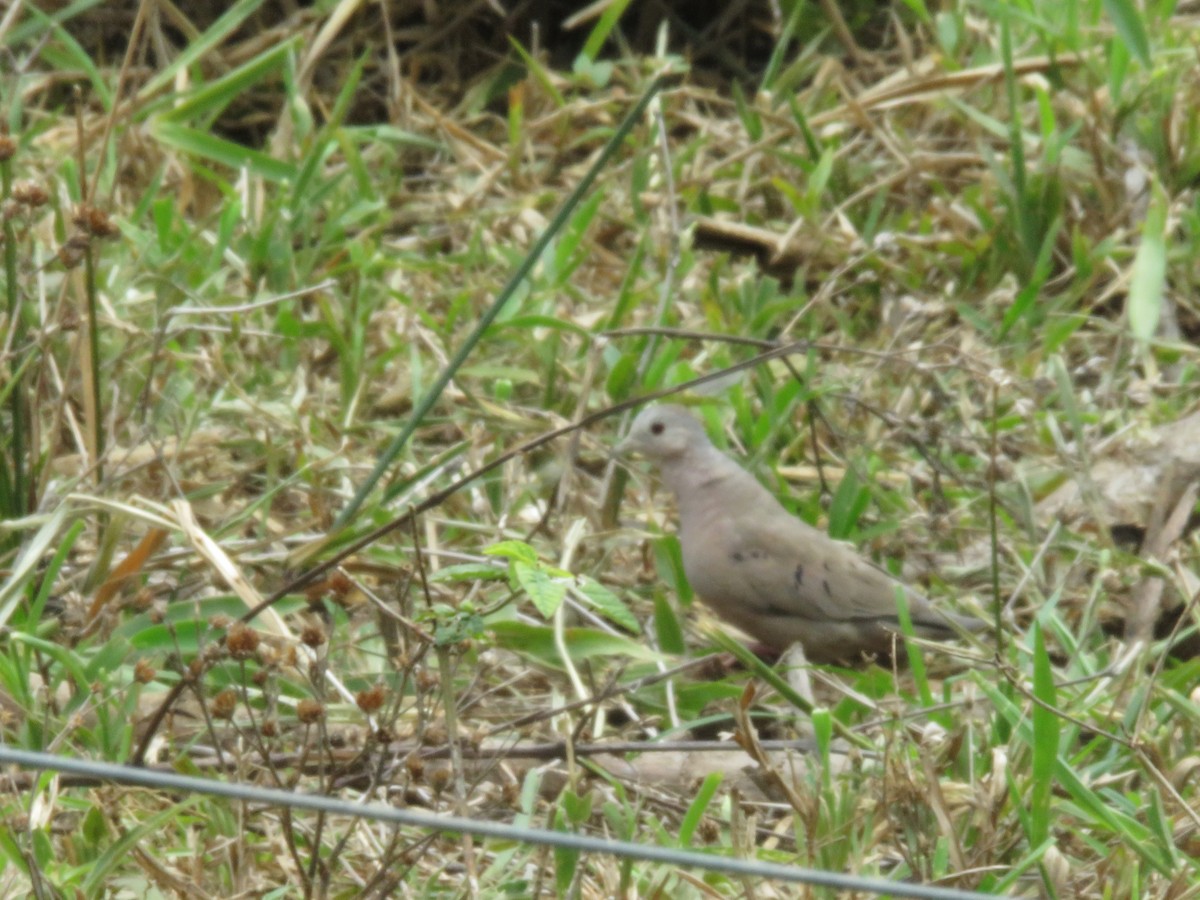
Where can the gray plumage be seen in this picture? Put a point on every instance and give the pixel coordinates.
(772, 575)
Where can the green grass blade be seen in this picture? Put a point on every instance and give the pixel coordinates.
(227, 153)
(1149, 277)
(1128, 21)
(1045, 739)
(197, 49)
(207, 101)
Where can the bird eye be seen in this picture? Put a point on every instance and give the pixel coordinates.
(657, 428)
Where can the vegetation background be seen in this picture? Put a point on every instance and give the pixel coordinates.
(260, 315)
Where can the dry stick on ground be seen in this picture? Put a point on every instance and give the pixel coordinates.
(1168, 519)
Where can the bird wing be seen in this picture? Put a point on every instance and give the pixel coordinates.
(777, 565)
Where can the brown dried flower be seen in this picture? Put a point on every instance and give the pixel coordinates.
(224, 704)
(143, 672)
(310, 711)
(242, 641)
(371, 699)
(30, 193)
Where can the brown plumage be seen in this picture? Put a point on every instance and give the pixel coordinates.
(772, 575)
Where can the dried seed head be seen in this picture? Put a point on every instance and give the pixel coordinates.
(312, 636)
(213, 653)
(30, 193)
(72, 252)
(426, 680)
(224, 704)
(310, 711)
(242, 641)
(416, 768)
(439, 778)
(94, 221)
(143, 672)
(435, 735)
(371, 699)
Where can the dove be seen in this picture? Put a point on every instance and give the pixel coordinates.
(772, 575)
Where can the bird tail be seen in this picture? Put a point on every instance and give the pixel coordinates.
(949, 624)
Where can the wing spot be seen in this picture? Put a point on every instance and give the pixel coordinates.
(737, 556)
(825, 584)
(799, 575)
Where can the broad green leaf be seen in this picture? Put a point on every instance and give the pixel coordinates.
(546, 591)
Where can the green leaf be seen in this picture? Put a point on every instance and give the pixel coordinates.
(849, 501)
(603, 28)
(514, 550)
(822, 726)
(916, 659)
(577, 807)
(667, 627)
(102, 869)
(30, 558)
(195, 50)
(468, 572)
(457, 628)
(227, 153)
(539, 73)
(1128, 22)
(537, 641)
(1149, 274)
(209, 99)
(607, 603)
(566, 861)
(1045, 738)
(695, 811)
(622, 377)
(546, 591)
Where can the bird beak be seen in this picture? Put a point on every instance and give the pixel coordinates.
(625, 447)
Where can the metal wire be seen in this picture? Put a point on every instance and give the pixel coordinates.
(745, 868)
